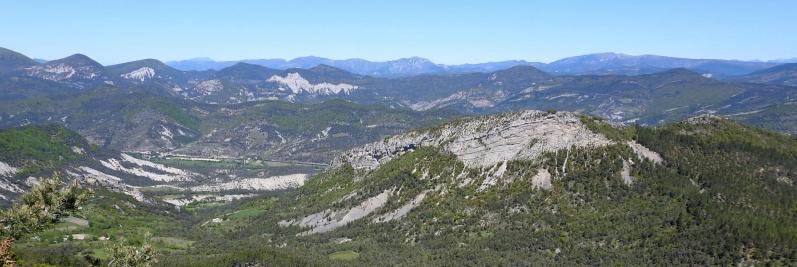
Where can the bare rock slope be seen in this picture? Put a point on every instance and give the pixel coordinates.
(485, 141)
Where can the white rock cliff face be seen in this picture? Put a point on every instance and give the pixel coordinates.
(139, 167)
(257, 184)
(299, 84)
(542, 180)
(485, 141)
(7, 170)
(60, 72)
(140, 74)
(328, 220)
(98, 178)
(403, 210)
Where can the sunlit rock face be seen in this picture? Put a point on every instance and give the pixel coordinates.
(485, 141)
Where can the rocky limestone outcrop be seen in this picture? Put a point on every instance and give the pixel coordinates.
(280, 182)
(644, 152)
(704, 119)
(329, 219)
(484, 141)
(485, 145)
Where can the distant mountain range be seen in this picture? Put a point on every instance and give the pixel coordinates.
(614, 63)
(393, 68)
(600, 63)
(658, 92)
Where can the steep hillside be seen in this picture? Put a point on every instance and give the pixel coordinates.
(36, 148)
(123, 119)
(20, 88)
(76, 70)
(534, 187)
(37, 151)
(785, 74)
(11, 61)
(33, 152)
(141, 71)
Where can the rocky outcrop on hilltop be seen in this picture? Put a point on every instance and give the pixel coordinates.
(494, 151)
(703, 119)
(485, 141)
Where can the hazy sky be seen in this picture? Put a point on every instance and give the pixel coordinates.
(444, 31)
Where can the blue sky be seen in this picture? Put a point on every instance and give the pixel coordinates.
(449, 32)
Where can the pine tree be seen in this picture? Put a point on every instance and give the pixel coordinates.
(37, 209)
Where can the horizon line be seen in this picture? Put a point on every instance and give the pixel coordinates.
(211, 59)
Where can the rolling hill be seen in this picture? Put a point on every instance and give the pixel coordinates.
(785, 74)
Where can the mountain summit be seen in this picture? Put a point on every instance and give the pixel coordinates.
(78, 70)
(11, 61)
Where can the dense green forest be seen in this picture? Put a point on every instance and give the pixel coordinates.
(40, 147)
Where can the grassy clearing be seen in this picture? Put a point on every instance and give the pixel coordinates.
(346, 255)
(253, 208)
(172, 242)
(203, 204)
(243, 214)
